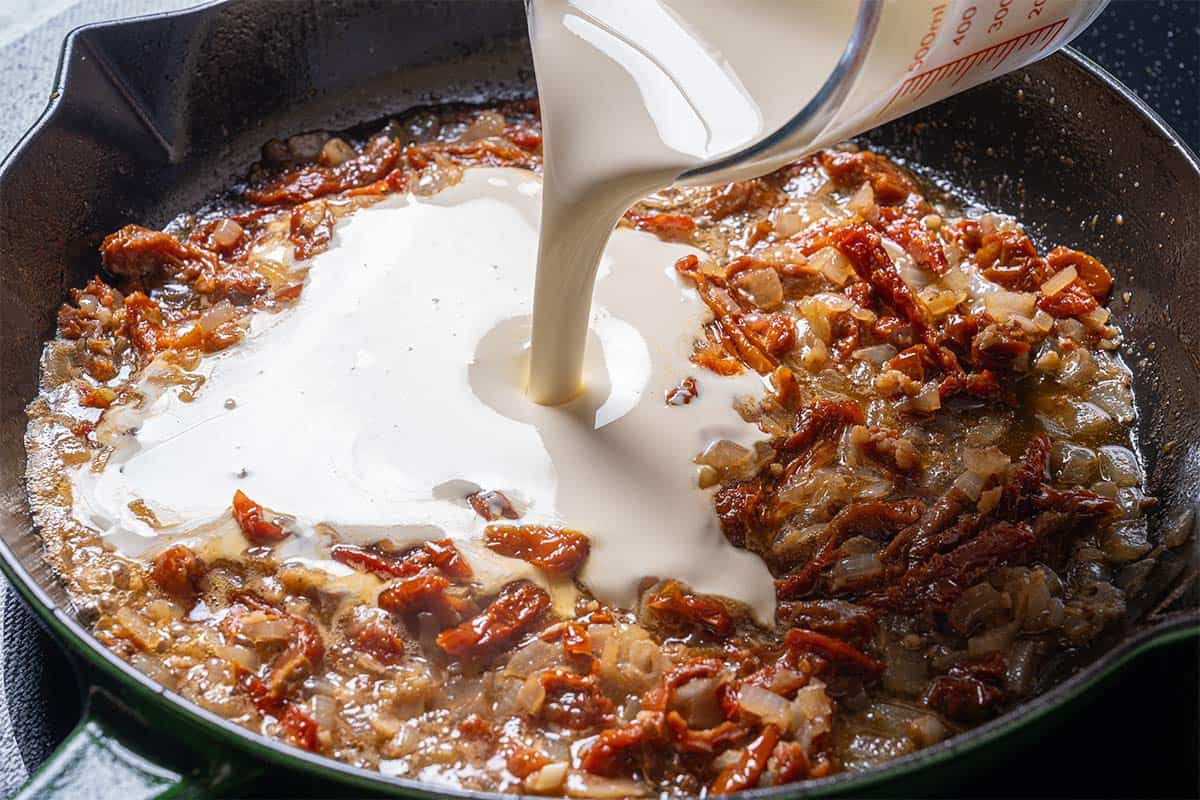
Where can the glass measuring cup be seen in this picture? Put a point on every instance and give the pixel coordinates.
(902, 55)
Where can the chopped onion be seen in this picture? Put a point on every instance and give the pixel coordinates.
(724, 455)
(242, 656)
(929, 399)
(531, 695)
(970, 484)
(697, 702)
(985, 461)
(325, 713)
(266, 629)
(1115, 398)
(336, 152)
(137, 629)
(1002, 304)
(956, 280)
(1095, 319)
(1022, 664)
(762, 286)
(853, 570)
(832, 264)
(875, 354)
(989, 499)
(995, 640)
(767, 706)
(487, 124)
(585, 784)
(1059, 281)
(226, 233)
(939, 302)
(833, 303)
(926, 730)
(1042, 322)
(548, 779)
(862, 202)
(1120, 465)
(787, 223)
(216, 316)
(1073, 464)
(532, 657)
(1071, 329)
(1077, 369)
(979, 605)
(1087, 419)
(1126, 541)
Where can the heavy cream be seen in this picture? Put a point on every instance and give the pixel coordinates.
(392, 391)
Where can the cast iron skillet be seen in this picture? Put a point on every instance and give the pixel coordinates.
(152, 116)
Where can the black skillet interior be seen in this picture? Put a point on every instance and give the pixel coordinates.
(157, 115)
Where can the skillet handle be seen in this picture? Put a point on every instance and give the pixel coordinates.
(102, 760)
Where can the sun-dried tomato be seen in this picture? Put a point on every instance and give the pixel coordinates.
(476, 727)
(381, 639)
(311, 181)
(864, 249)
(841, 654)
(668, 227)
(574, 701)
(998, 345)
(613, 747)
(1072, 301)
(738, 506)
(492, 505)
(747, 772)
(305, 649)
(752, 338)
(576, 640)
(982, 384)
(918, 241)
(1009, 258)
(144, 257)
(523, 761)
(310, 229)
(706, 741)
(371, 560)
(178, 570)
(144, 325)
(684, 393)
(937, 583)
(441, 554)
(426, 591)
(820, 420)
(851, 170)
(299, 728)
(871, 518)
(659, 697)
(791, 762)
(556, 551)
(1026, 479)
(511, 614)
(708, 613)
(1094, 276)
(964, 699)
(739, 196)
(831, 617)
(249, 516)
(445, 556)
(140, 253)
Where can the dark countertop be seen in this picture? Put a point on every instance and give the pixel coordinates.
(1137, 736)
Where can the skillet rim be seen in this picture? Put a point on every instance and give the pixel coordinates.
(79, 641)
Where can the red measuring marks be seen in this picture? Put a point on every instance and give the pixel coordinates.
(996, 54)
